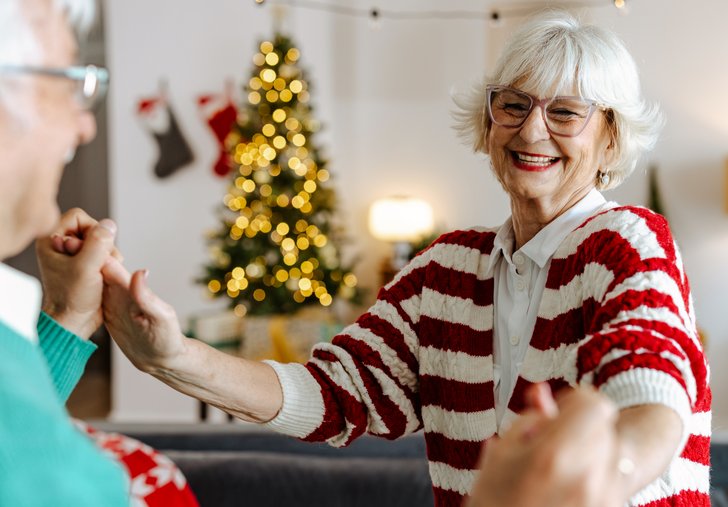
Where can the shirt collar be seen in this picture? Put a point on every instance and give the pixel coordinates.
(544, 244)
(502, 244)
(20, 299)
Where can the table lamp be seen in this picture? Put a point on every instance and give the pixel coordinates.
(401, 221)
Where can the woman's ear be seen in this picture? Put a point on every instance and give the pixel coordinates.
(609, 156)
(610, 152)
(484, 145)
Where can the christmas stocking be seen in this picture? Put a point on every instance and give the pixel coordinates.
(221, 114)
(160, 121)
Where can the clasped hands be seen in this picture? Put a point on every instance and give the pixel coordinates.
(559, 453)
(85, 285)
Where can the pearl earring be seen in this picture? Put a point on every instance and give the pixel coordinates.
(604, 179)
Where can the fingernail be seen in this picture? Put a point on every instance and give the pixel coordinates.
(145, 273)
(109, 225)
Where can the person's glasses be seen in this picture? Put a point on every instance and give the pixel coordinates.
(563, 116)
(90, 81)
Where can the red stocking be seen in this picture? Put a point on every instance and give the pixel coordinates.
(221, 116)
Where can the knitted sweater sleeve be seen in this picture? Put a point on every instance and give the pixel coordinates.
(366, 379)
(65, 353)
(642, 344)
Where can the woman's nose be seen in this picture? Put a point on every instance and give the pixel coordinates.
(534, 127)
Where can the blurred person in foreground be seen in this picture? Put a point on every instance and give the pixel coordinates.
(553, 455)
(45, 103)
(44, 116)
(572, 290)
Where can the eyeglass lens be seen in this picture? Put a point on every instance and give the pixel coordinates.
(564, 115)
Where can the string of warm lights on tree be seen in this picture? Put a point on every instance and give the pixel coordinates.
(375, 14)
(278, 244)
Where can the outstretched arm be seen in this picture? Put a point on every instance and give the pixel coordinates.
(147, 331)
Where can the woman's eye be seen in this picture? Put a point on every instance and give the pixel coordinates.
(564, 115)
(563, 112)
(515, 107)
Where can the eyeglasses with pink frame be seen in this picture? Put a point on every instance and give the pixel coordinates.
(560, 122)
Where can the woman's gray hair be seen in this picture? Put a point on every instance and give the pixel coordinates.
(554, 51)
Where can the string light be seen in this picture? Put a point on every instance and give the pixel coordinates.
(495, 19)
(376, 15)
(374, 19)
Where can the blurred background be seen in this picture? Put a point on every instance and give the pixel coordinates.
(380, 83)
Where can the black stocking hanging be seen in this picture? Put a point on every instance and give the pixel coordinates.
(174, 151)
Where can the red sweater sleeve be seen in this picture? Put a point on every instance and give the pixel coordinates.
(642, 343)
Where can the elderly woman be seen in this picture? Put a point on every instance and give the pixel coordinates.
(572, 290)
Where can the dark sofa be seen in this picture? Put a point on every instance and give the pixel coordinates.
(227, 465)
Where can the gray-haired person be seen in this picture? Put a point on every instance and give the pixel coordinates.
(44, 102)
(571, 290)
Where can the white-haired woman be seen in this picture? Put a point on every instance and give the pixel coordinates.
(572, 291)
(596, 289)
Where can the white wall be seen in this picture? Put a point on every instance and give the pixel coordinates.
(383, 96)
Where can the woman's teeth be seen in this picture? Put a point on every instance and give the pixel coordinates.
(535, 159)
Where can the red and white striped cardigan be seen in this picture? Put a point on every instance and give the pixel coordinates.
(616, 313)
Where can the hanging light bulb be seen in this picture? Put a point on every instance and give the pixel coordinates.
(260, 2)
(619, 4)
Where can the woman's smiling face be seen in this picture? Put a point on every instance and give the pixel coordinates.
(533, 164)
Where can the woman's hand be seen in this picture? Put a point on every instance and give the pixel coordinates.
(147, 331)
(145, 327)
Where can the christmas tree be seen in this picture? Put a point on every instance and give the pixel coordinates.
(278, 246)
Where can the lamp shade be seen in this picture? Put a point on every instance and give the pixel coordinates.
(400, 219)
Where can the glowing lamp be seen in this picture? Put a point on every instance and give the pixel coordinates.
(400, 220)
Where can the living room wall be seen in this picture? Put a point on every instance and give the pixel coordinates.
(383, 97)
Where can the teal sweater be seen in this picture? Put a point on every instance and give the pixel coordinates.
(44, 460)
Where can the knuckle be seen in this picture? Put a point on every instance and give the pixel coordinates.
(76, 213)
(607, 407)
(102, 234)
(551, 461)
